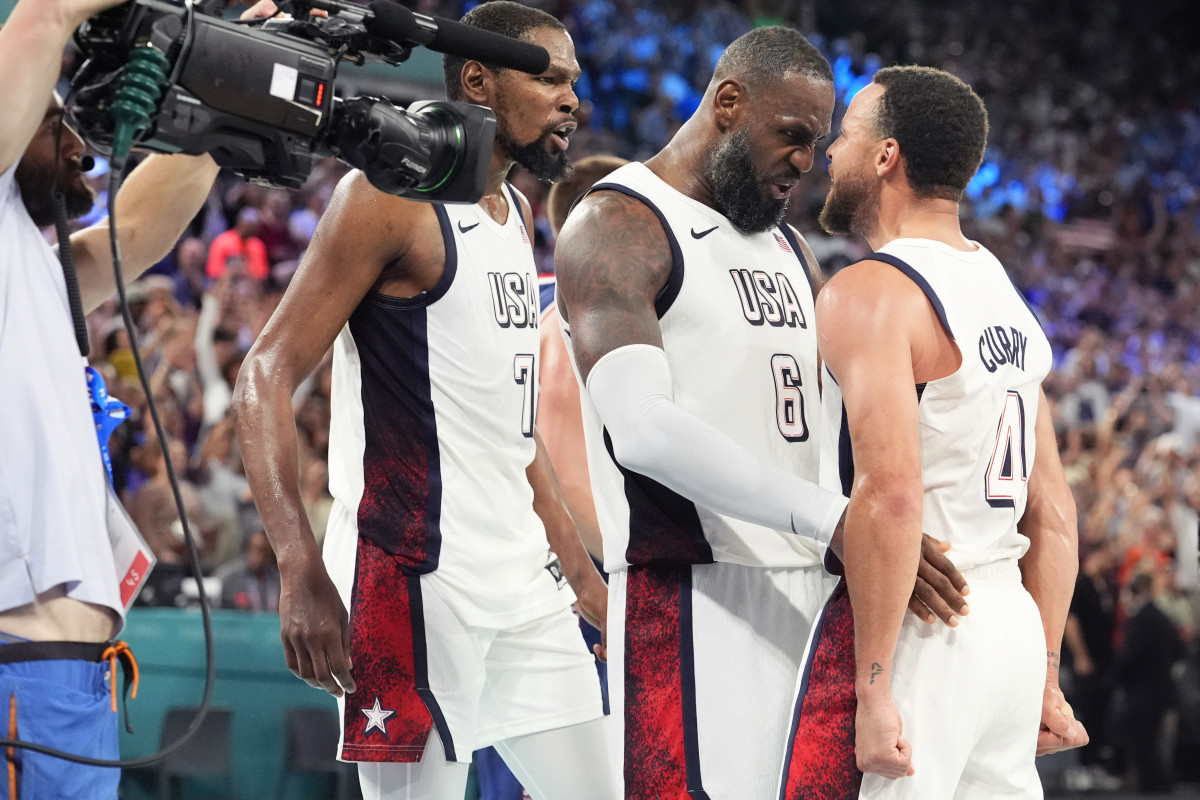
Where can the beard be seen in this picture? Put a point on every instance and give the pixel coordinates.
(737, 186)
(535, 156)
(37, 184)
(849, 206)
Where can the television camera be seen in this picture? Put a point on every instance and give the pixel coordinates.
(259, 95)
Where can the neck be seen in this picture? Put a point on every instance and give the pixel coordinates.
(681, 163)
(901, 216)
(495, 199)
(498, 171)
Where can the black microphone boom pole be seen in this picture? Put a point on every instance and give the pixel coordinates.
(396, 23)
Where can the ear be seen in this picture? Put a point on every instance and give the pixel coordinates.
(888, 159)
(478, 83)
(729, 103)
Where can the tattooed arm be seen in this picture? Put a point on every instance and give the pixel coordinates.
(612, 260)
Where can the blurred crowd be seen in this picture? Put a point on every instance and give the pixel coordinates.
(1089, 194)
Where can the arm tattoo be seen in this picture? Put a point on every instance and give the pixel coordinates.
(876, 669)
(1052, 659)
(612, 261)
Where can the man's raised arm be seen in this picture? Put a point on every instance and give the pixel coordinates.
(31, 47)
(154, 206)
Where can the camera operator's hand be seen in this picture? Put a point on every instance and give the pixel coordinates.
(263, 8)
(267, 8)
(31, 47)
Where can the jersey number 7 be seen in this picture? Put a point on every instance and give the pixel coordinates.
(526, 377)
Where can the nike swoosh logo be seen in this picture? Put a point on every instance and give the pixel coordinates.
(468, 228)
(702, 234)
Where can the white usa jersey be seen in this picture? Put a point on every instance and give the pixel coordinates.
(432, 426)
(977, 424)
(737, 327)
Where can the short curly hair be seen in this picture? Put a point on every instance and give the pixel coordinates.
(940, 124)
(498, 16)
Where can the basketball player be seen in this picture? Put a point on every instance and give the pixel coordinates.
(460, 632)
(690, 314)
(936, 422)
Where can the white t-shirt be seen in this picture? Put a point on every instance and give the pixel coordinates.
(52, 482)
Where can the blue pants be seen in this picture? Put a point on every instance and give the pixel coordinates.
(65, 705)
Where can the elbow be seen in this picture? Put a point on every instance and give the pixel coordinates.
(639, 448)
(897, 500)
(256, 381)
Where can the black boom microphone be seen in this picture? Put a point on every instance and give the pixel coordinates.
(393, 21)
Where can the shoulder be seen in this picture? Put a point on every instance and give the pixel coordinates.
(224, 239)
(869, 303)
(869, 285)
(612, 241)
(815, 276)
(361, 217)
(617, 221)
(355, 198)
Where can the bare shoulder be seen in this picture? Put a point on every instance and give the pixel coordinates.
(870, 304)
(612, 245)
(526, 209)
(869, 287)
(361, 216)
(369, 231)
(612, 259)
(361, 238)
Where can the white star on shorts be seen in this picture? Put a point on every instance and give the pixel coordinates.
(375, 717)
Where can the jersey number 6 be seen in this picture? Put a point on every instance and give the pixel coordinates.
(789, 400)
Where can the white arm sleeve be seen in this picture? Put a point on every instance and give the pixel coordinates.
(631, 390)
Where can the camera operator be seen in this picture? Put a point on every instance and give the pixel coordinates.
(60, 605)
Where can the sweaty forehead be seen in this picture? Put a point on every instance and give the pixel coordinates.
(559, 45)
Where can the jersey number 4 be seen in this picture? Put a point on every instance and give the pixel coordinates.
(789, 400)
(524, 375)
(1006, 472)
